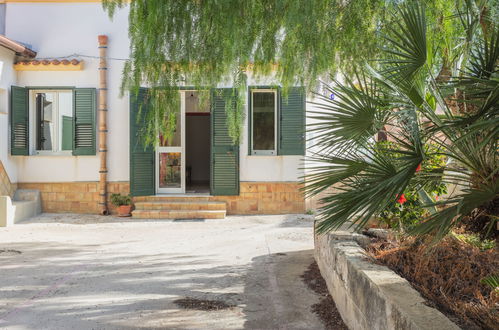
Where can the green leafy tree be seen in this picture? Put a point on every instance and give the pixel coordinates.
(212, 42)
(458, 114)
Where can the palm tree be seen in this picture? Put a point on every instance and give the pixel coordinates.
(407, 99)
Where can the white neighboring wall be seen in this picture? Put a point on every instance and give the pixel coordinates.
(7, 79)
(55, 30)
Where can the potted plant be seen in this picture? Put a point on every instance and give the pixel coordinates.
(124, 204)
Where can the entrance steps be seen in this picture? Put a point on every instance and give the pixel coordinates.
(178, 207)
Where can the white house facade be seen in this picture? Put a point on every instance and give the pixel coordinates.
(55, 114)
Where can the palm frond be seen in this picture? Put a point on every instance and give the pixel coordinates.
(357, 112)
(441, 222)
(366, 182)
(407, 52)
(483, 61)
(360, 178)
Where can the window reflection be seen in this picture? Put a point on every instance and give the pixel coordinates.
(65, 107)
(169, 170)
(263, 121)
(54, 120)
(44, 121)
(176, 139)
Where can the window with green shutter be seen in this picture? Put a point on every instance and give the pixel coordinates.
(62, 120)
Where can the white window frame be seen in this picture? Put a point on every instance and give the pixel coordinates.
(276, 133)
(33, 128)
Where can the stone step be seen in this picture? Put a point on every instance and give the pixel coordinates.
(178, 214)
(175, 205)
(170, 198)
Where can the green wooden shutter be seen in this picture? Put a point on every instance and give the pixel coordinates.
(292, 123)
(224, 154)
(84, 119)
(19, 121)
(142, 159)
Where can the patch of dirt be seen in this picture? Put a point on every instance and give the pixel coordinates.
(202, 304)
(9, 252)
(325, 309)
(448, 274)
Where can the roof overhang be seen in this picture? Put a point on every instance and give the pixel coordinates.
(16, 47)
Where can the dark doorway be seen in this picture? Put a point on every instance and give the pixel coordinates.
(197, 140)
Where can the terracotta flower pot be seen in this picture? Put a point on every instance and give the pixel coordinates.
(124, 210)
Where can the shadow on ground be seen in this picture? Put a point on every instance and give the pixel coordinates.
(297, 221)
(276, 296)
(55, 285)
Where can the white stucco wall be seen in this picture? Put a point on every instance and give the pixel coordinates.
(55, 30)
(7, 79)
(266, 168)
(315, 107)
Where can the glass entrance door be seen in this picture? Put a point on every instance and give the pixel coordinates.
(170, 158)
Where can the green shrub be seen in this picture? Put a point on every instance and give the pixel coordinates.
(119, 200)
(491, 281)
(474, 240)
(403, 215)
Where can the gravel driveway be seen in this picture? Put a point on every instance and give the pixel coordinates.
(66, 271)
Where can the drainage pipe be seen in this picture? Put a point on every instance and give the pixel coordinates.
(103, 124)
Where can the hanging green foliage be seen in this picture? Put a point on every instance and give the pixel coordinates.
(211, 43)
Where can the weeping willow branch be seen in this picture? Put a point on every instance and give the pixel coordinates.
(208, 43)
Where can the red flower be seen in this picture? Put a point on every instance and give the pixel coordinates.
(418, 168)
(436, 197)
(401, 199)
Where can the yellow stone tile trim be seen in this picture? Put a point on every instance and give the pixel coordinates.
(48, 67)
(74, 197)
(254, 197)
(265, 198)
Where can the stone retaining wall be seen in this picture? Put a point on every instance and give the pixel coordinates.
(370, 296)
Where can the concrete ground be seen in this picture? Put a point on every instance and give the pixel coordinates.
(89, 272)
